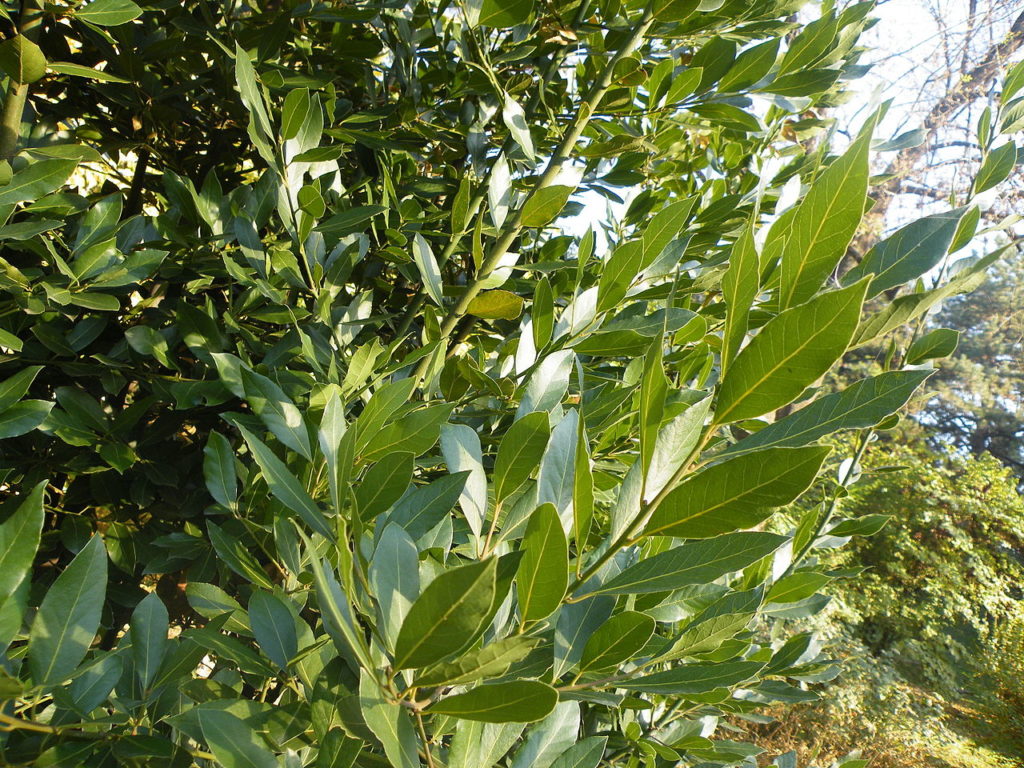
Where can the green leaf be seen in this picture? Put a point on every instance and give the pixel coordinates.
(621, 637)
(791, 351)
(824, 222)
(383, 484)
(797, 586)
(694, 562)
(21, 59)
(108, 13)
(77, 70)
(23, 417)
(149, 625)
(277, 411)
(423, 256)
(937, 343)
(219, 469)
(544, 569)
(427, 505)
(233, 742)
(908, 253)
(505, 13)
(996, 167)
(519, 701)
(866, 525)
(618, 273)
(736, 493)
(750, 67)
(389, 723)
(549, 738)
(861, 405)
(515, 120)
(347, 222)
(1012, 83)
(586, 753)
(236, 557)
(481, 745)
(285, 487)
(694, 678)
(416, 432)
(460, 446)
(519, 453)
(294, 112)
(337, 446)
(40, 178)
(394, 577)
(544, 205)
(496, 305)
(273, 626)
(448, 616)
(19, 540)
(69, 616)
(716, 624)
(654, 386)
(739, 289)
(491, 660)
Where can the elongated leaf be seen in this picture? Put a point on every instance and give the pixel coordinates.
(694, 678)
(515, 120)
(19, 540)
(233, 742)
(277, 411)
(15, 387)
(219, 469)
(675, 442)
(505, 13)
(149, 625)
(618, 640)
(938, 342)
(908, 253)
(336, 444)
(460, 446)
(825, 221)
(739, 288)
(448, 616)
(586, 753)
(285, 487)
(69, 616)
(544, 569)
(862, 404)
(548, 383)
(236, 557)
(491, 660)
(549, 738)
(996, 167)
(789, 353)
(40, 178)
(77, 70)
(273, 627)
(653, 388)
(109, 13)
(695, 562)
(520, 701)
(737, 493)
(545, 205)
(423, 508)
(519, 453)
(663, 228)
(719, 622)
(394, 577)
(384, 484)
(555, 476)
(389, 723)
(427, 265)
(21, 59)
(481, 745)
(496, 305)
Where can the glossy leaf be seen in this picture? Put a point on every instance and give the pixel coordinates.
(789, 353)
(519, 453)
(544, 569)
(737, 493)
(521, 701)
(69, 616)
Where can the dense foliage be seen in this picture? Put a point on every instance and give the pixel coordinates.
(325, 445)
